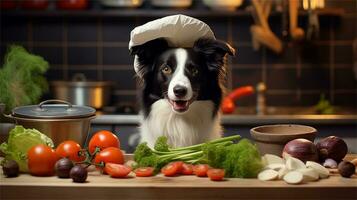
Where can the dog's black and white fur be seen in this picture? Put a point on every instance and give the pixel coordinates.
(181, 90)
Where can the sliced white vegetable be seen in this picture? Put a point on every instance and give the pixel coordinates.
(293, 177)
(268, 175)
(294, 163)
(282, 172)
(309, 174)
(321, 170)
(272, 159)
(275, 166)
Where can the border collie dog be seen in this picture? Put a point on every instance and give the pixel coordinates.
(181, 91)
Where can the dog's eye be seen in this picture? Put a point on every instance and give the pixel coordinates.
(166, 70)
(194, 71)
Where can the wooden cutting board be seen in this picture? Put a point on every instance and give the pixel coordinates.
(100, 186)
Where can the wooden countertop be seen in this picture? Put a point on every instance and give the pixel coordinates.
(182, 187)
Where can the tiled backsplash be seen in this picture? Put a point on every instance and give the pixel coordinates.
(98, 47)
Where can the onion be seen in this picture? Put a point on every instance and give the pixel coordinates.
(301, 149)
(332, 147)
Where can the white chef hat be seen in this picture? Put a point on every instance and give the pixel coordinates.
(178, 30)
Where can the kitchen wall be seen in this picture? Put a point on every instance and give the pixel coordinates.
(97, 47)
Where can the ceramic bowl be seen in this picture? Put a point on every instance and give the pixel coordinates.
(272, 138)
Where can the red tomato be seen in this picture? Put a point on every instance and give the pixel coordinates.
(200, 170)
(110, 155)
(103, 139)
(69, 149)
(187, 169)
(117, 170)
(41, 160)
(35, 4)
(172, 168)
(72, 4)
(144, 171)
(216, 174)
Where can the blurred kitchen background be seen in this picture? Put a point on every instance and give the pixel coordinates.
(89, 41)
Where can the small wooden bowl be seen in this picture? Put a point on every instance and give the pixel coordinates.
(272, 138)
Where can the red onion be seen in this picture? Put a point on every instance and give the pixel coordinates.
(301, 149)
(332, 147)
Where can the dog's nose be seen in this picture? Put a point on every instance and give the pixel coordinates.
(180, 91)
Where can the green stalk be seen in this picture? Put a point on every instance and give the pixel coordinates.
(220, 140)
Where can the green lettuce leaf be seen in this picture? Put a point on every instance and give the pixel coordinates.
(20, 141)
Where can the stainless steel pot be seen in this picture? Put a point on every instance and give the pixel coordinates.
(58, 121)
(79, 91)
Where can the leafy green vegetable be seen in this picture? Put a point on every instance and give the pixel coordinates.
(20, 141)
(21, 78)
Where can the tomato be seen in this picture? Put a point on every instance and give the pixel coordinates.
(41, 160)
(103, 139)
(35, 4)
(72, 4)
(172, 168)
(216, 174)
(187, 169)
(117, 170)
(200, 170)
(69, 149)
(227, 106)
(144, 171)
(110, 155)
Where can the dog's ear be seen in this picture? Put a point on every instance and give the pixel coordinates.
(147, 53)
(214, 52)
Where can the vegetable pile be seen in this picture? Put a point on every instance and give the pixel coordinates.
(240, 159)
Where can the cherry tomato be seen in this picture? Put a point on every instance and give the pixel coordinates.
(187, 169)
(110, 155)
(200, 170)
(69, 149)
(144, 171)
(216, 174)
(103, 139)
(41, 160)
(117, 170)
(172, 168)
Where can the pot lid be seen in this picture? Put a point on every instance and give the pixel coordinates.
(63, 110)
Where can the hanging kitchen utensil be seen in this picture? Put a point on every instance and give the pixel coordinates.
(314, 25)
(296, 33)
(261, 32)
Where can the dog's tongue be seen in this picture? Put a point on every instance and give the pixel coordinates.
(180, 105)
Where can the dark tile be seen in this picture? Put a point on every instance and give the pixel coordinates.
(281, 99)
(325, 26)
(117, 55)
(316, 78)
(53, 55)
(218, 26)
(280, 78)
(117, 29)
(348, 5)
(123, 79)
(82, 55)
(315, 54)
(344, 54)
(14, 29)
(345, 79)
(54, 74)
(242, 77)
(349, 99)
(313, 99)
(345, 28)
(246, 101)
(47, 29)
(275, 24)
(246, 55)
(241, 29)
(82, 30)
(288, 56)
(91, 75)
(130, 100)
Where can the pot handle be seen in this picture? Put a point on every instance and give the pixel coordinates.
(54, 101)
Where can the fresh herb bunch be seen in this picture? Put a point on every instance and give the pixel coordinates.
(21, 78)
(240, 159)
